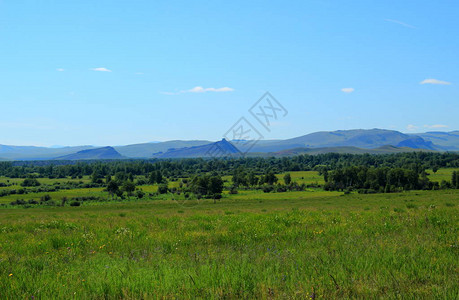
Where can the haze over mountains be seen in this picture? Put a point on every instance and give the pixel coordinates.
(98, 153)
(343, 141)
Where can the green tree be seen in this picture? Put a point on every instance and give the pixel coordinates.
(30, 182)
(128, 187)
(215, 187)
(96, 177)
(112, 188)
(200, 185)
(240, 177)
(152, 178)
(159, 177)
(270, 178)
(162, 188)
(287, 179)
(252, 179)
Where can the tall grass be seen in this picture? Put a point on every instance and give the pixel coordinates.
(322, 246)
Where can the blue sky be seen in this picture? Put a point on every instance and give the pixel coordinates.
(122, 72)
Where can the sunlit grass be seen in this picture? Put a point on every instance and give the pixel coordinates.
(249, 245)
(441, 174)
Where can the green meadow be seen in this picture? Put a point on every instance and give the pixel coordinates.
(294, 245)
(441, 174)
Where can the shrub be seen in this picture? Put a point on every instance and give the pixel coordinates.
(233, 190)
(268, 188)
(18, 202)
(30, 182)
(139, 194)
(162, 188)
(75, 203)
(45, 198)
(281, 189)
(50, 203)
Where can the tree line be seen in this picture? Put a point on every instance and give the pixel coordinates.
(175, 168)
(384, 179)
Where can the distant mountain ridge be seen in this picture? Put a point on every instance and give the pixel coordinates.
(146, 150)
(99, 153)
(216, 149)
(37, 153)
(340, 140)
(360, 138)
(446, 140)
(348, 150)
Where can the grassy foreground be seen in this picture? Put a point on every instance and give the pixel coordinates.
(289, 245)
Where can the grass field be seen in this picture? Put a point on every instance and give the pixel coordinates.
(47, 181)
(306, 177)
(250, 245)
(441, 174)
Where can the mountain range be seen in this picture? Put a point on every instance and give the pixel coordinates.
(98, 153)
(372, 141)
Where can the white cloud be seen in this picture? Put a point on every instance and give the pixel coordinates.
(101, 70)
(200, 89)
(436, 126)
(60, 70)
(400, 23)
(347, 90)
(434, 81)
(412, 127)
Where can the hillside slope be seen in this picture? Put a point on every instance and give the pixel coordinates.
(447, 140)
(37, 153)
(146, 150)
(99, 153)
(223, 148)
(360, 138)
(347, 150)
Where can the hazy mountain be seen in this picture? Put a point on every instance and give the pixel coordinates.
(146, 150)
(350, 150)
(208, 150)
(447, 140)
(36, 153)
(99, 153)
(341, 140)
(417, 142)
(360, 138)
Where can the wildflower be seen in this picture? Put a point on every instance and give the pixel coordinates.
(11, 274)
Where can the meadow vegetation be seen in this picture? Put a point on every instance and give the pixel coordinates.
(239, 231)
(263, 245)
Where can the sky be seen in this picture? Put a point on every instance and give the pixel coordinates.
(123, 72)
